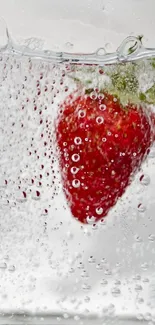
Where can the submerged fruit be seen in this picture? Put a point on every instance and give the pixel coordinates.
(101, 146)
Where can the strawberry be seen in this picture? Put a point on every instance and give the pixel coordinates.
(101, 145)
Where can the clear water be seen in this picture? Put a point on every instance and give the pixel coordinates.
(52, 267)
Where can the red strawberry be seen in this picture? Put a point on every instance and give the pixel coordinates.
(101, 146)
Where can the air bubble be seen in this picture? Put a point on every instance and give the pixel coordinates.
(76, 157)
(141, 208)
(104, 282)
(91, 260)
(36, 195)
(138, 288)
(99, 120)
(77, 140)
(116, 292)
(102, 107)
(104, 139)
(90, 220)
(101, 51)
(93, 95)
(11, 268)
(76, 183)
(99, 211)
(81, 114)
(86, 287)
(3, 265)
(87, 299)
(94, 226)
(151, 238)
(99, 267)
(144, 180)
(74, 170)
(144, 266)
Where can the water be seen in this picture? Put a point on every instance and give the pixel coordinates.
(51, 264)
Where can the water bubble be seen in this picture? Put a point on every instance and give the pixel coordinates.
(93, 95)
(81, 114)
(140, 300)
(146, 280)
(94, 226)
(138, 288)
(117, 282)
(86, 287)
(99, 120)
(104, 139)
(69, 235)
(141, 208)
(91, 260)
(84, 274)
(80, 266)
(36, 195)
(11, 268)
(99, 267)
(102, 107)
(99, 211)
(76, 157)
(151, 238)
(76, 318)
(77, 140)
(138, 239)
(107, 272)
(144, 180)
(101, 51)
(87, 299)
(3, 265)
(74, 170)
(144, 266)
(65, 315)
(104, 282)
(90, 220)
(76, 183)
(137, 277)
(147, 316)
(116, 292)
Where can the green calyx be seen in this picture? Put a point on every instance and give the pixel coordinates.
(130, 82)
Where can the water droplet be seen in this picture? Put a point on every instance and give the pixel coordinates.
(76, 157)
(101, 51)
(99, 120)
(76, 183)
(3, 265)
(77, 140)
(116, 292)
(144, 180)
(81, 114)
(11, 268)
(151, 238)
